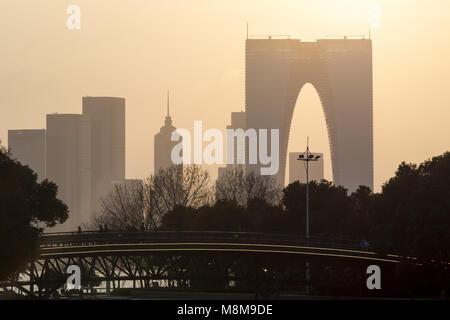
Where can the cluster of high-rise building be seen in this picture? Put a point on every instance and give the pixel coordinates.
(82, 153)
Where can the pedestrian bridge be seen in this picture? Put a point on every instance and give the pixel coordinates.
(139, 259)
(59, 245)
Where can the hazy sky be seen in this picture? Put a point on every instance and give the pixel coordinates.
(137, 49)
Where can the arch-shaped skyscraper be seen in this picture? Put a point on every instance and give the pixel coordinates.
(341, 72)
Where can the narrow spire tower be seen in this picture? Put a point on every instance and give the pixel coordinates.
(168, 104)
(163, 143)
(168, 120)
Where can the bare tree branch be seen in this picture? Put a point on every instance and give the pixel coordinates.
(238, 186)
(122, 208)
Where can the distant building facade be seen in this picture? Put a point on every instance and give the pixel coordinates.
(238, 121)
(107, 116)
(68, 164)
(297, 171)
(28, 147)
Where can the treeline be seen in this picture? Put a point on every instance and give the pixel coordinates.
(409, 217)
(411, 214)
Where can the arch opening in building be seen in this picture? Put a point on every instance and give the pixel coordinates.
(341, 72)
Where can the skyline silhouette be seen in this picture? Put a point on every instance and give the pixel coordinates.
(200, 56)
(112, 187)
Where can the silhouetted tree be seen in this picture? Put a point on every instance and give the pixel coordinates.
(231, 186)
(178, 219)
(241, 187)
(226, 215)
(223, 216)
(138, 205)
(122, 208)
(26, 207)
(329, 208)
(177, 185)
(411, 215)
(358, 225)
(412, 212)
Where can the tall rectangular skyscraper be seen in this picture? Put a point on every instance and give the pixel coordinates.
(68, 164)
(297, 171)
(238, 121)
(28, 147)
(107, 115)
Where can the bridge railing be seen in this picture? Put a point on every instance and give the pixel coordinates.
(111, 237)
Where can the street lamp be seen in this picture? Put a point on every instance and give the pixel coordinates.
(306, 158)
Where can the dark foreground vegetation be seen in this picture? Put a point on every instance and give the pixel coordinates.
(26, 208)
(409, 217)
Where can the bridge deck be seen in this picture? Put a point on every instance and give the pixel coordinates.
(137, 243)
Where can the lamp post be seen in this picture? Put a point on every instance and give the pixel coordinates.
(306, 158)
